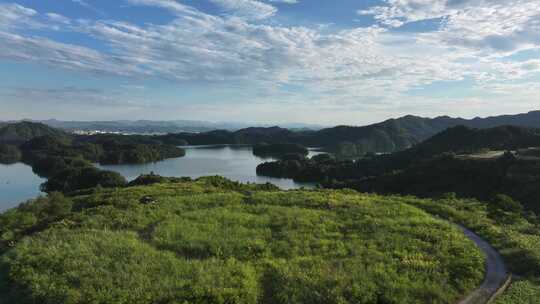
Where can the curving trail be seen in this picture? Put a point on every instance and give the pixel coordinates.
(496, 272)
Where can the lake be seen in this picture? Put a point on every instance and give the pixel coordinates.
(18, 183)
(235, 162)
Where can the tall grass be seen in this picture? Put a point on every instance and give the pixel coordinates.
(208, 242)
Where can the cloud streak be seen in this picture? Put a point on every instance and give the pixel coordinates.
(374, 66)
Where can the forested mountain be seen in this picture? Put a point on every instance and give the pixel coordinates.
(18, 133)
(348, 141)
(438, 165)
(398, 134)
(455, 140)
(463, 139)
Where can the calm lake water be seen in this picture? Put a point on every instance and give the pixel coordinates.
(233, 162)
(18, 183)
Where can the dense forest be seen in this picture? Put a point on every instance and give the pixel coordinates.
(481, 179)
(436, 166)
(21, 132)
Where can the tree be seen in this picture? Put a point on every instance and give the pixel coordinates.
(57, 205)
(505, 209)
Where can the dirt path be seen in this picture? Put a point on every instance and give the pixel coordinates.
(496, 272)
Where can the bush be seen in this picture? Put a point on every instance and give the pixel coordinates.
(503, 208)
(72, 179)
(148, 179)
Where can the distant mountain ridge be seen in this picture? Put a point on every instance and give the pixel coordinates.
(155, 127)
(388, 136)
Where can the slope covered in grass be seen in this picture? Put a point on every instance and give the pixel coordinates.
(515, 235)
(212, 241)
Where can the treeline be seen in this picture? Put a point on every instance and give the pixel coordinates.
(68, 165)
(279, 150)
(21, 132)
(480, 179)
(125, 149)
(346, 141)
(67, 161)
(352, 142)
(433, 167)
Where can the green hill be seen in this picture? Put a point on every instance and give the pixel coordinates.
(463, 139)
(215, 241)
(18, 133)
(352, 141)
(431, 168)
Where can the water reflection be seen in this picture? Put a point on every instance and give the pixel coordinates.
(235, 162)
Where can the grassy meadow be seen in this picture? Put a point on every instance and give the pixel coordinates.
(214, 241)
(515, 236)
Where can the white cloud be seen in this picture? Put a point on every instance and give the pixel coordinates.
(498, 26)
(363, 68)
(285, 1)
(247, 9)
(170, 5)
(58, 18)
(12, 15)
(61, 55)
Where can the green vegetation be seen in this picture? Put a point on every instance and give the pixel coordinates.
(18, 133)
(67, 160)
(37, 140)
(481, 179)
(72, 178)
(124, 149)
(102, 149)
(516, 235)
(279, 150)
(65, 166)
(521, 292)
(9, 154)
(217, 241)
(434, 167)
(352, 142)
(389, 136)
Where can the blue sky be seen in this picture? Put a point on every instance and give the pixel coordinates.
(268, 61)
